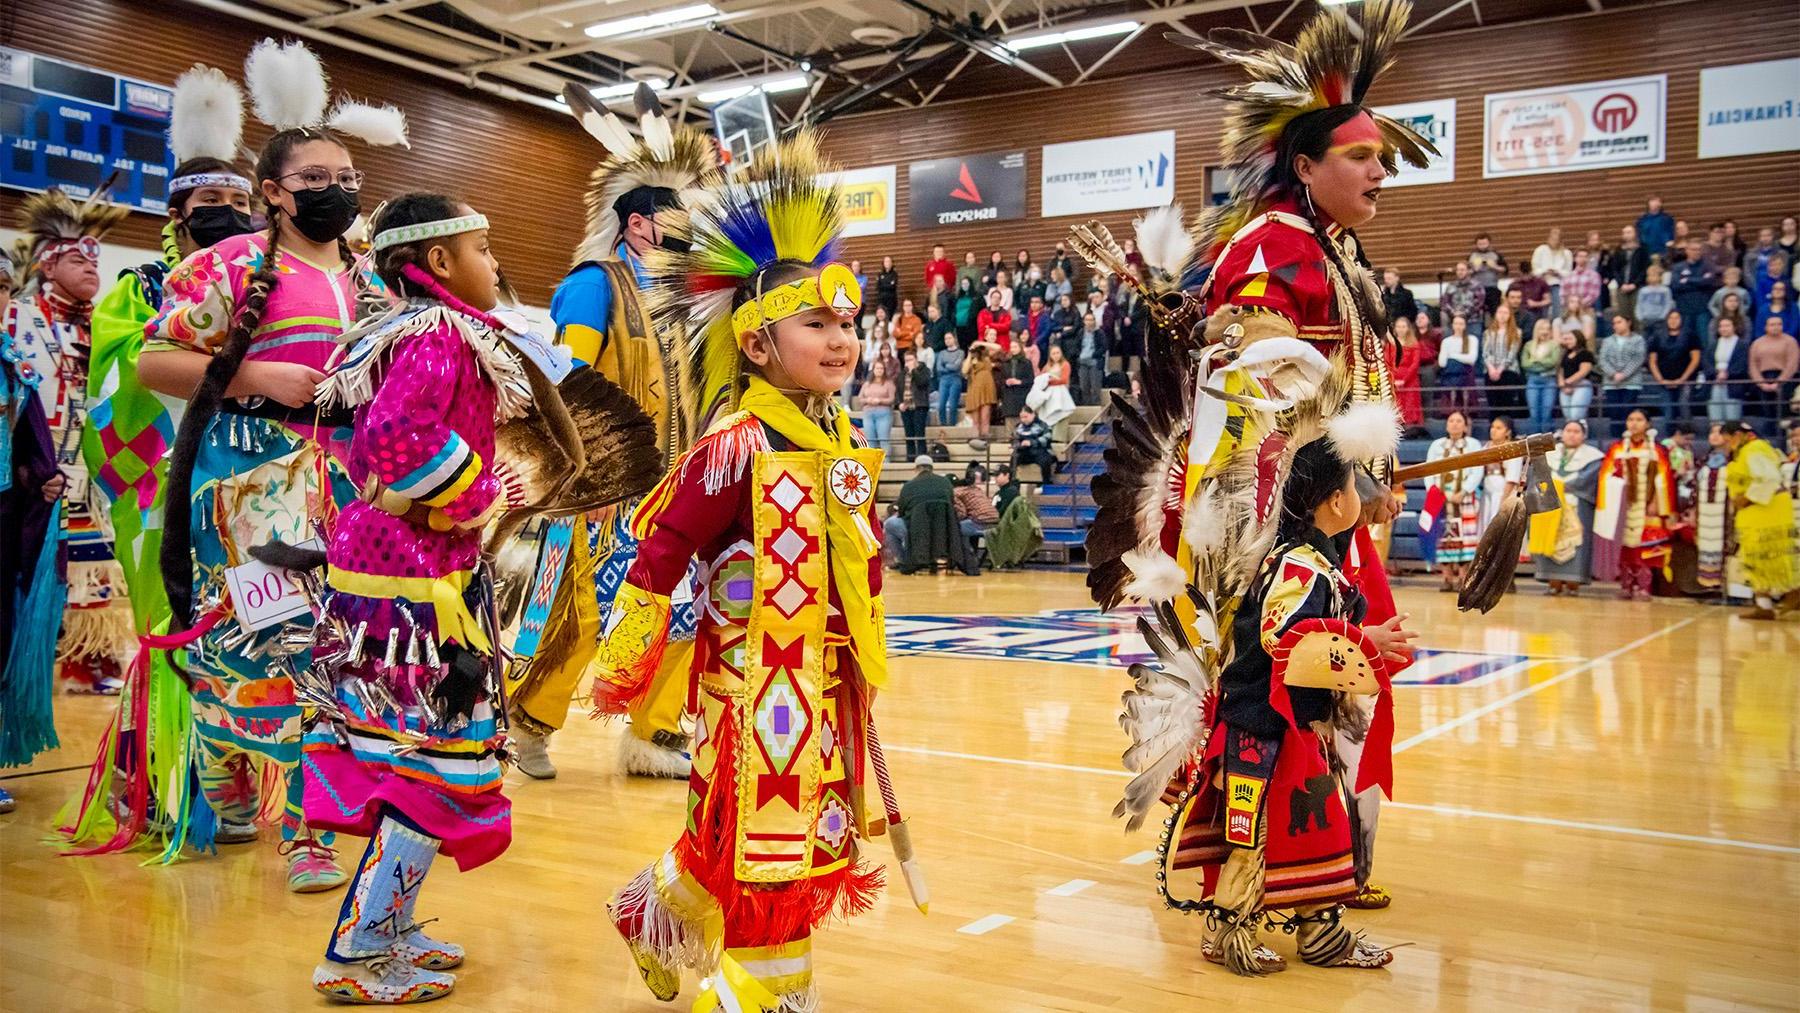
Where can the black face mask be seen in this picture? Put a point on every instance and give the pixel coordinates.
(215, 223)
(323, 215)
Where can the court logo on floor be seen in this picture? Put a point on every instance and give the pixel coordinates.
(1085, 637)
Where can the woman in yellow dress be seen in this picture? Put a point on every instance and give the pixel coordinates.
(1767, 546)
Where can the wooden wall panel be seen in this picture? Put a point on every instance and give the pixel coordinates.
(1420, 229)
(525, 168)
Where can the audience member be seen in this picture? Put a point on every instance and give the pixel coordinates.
(1021, 264)
(1457, 358)
(990, 276)
(1552, 261)
(970, 271)
(1728, 366)
(1430, 334)
(907, 326)
(937, 324)
(876, 401)
(1575, 375)
(1397, 298)
(1719, 251)
(1063, 262)
(1541, 360)
(1090, 361)
(1487, 267)
(1582, 283)
(983, 392)
(1731, 282)
(1500, 345)
(975, 513)
(1031, 444)
(1674, 359)
(887, 287)
(1050, 397)
(1627, 269)
(1692, 282)
(1534, 294)
(928, 530)
(1016, 375)
(969, 303)
(1756, 258)
(1575, 315)
(948, 371)
(1059, 287)
(1030, 286)
(1774, 361)
(1622, 357)
(915, 402)
(1731, 306)
(1464, 296)
(1035, 325)
(1655, 229)
(939, 269)
(1409, 356)
(994, 324)
(1676, 252)
(1004, 286)
(1774, 273)
(1778, 305)
(1654, 300)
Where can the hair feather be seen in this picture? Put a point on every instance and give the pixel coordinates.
(287, 84)
(207, 119)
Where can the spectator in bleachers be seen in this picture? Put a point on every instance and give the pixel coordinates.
(1050, 396)
(1561, 543)
(1031, 444)
(1464, 297)
(1005, 489)
(1500, 344)
(876, 400)
(1090, 361)
(878, 342)
(1031, 286)
(1003, 284)
(1731, 282)
(1061, 261)
(1132, 327)
(1718, 251)
(1431, 336)
(970, 269)
(939, 269)
(990, 277)
(1731, 306)
(1674, 359)
(1409, 355)
(927, 512)
(1034, 326)
(995, 322)
(1397, 298)
(1575, 375)
(862, 277)
(887, 287)
(1021, 264)
(1693, 281)
(907, 326)
(1626, 270)
(969, 303)
(1727, 363)
(1774, 273)
(1574, 316)
(1582, 283)
(1458, 362)
(1622, 358)
(1058, 288)
(1016, 375)
(975, 513)
(1552, 261)
(1541, 361)
(1654, 300)
(1655, 228)
(1597, 255)
(1677, 250)
(1461, 488)
(1066, 320)
(983, 391)
(915, 402)
(1736, 239)
(881, 318)
(1774, 361)
(1756, 258)
(1789, 239)
(1514, 300)
(948, 372)
(943, 297)
(1487, 266)
(1778, 305)
(937, 324)
(1534, 294)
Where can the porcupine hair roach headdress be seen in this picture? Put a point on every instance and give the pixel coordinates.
(778, 219)
(661, 170)
(1297, 96)
(54, 224)
(289, 92)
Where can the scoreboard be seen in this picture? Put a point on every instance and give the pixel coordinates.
(69, 126)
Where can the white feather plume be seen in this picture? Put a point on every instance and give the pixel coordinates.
(287, 84)
(1203, 522)
(659, 136)
(1164, 240)
(1154, 575)
(207, 120)
(1164, 711)
(1368, 431)
(378, 125)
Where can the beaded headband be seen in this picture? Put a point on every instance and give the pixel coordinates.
(428, 230)
(832, 287)
(194, 181)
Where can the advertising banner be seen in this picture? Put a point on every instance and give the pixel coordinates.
(1109, 174)
(973, 188)
(868, 200)
(1436, 122)
(1750, 109)
(1575, 128)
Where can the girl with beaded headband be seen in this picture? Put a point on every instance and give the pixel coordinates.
(244, 332)
(209, 202)
(777, 502)
(406, 743)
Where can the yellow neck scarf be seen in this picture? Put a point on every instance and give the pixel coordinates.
(850, 541)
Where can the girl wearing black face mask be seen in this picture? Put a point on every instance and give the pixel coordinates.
(246, 328)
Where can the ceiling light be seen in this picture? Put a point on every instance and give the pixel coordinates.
(626, 89)
(655, 19)
(1070, 35)
(774, 85)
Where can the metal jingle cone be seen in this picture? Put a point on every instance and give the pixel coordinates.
(392, 657)
(356, 643)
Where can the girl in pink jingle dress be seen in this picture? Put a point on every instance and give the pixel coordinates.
(405, 748)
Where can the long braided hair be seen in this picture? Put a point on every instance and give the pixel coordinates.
(178, 543)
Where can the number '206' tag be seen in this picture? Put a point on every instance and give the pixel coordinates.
(264, 595)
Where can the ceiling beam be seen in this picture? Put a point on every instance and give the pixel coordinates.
(590, 45)
(373, 10)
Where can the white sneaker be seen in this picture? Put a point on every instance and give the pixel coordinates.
(531, 753)
(386, 981)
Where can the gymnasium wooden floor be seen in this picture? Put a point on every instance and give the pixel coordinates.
(1598, 809)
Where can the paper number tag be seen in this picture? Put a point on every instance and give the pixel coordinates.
(264, 595)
